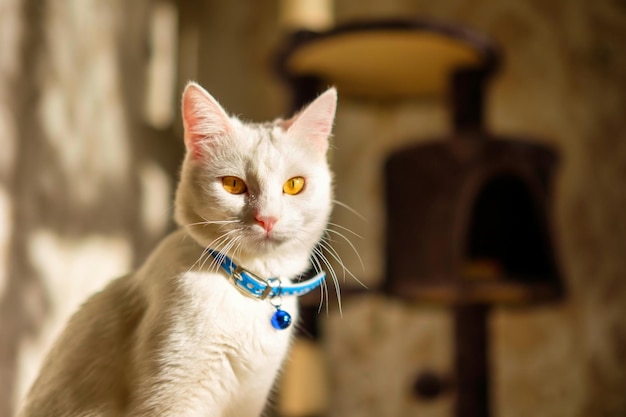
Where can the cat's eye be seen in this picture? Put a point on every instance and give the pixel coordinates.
(234, 185)
(293, 185)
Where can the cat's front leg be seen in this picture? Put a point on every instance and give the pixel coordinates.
(181, 368)
(252, 398)
(171, 395)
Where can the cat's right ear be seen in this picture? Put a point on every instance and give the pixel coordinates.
(204, 119)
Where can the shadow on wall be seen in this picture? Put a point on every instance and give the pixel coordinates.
(24, 303)
(89, 186)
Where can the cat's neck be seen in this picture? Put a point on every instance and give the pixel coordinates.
(275, 265)
(278, 263)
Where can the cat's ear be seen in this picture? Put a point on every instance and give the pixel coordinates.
(203, 118)
(315, 121)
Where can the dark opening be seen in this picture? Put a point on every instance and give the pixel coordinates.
(508, 232)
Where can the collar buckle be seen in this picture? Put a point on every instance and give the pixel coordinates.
(251, 284)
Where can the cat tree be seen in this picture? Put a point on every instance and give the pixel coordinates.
(468, 217)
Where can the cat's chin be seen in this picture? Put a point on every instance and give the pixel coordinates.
(250, 246)
(266, 245)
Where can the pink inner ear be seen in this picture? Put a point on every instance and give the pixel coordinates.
(286, 124)
(203, 119)
(190, 121)
(315, 122)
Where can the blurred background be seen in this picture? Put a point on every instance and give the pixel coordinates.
(90, 147)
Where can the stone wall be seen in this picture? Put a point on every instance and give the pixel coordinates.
(79, 179)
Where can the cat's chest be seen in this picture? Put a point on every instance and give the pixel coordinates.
(200, 309)
(211, 307)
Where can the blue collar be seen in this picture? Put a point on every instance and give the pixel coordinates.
(256, 287)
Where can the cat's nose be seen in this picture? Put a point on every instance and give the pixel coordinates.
(266, 222)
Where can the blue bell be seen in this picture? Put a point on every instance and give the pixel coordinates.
(281, 319)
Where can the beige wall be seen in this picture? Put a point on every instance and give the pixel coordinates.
(85, 185)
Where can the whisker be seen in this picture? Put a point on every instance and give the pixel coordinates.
(238, 248)
(230, 243)
(346, 229)
(324, 289)
(219, 245)
(335, 255)
(204, 252)
(325, 244)
(333, 275)
(209, 222)
(351, 245)
(218, 241)
(226, 247)
(350, 209)
(324, 295)
(318, 269)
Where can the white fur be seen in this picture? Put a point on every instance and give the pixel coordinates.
(175, 338)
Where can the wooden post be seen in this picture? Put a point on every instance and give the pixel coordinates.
(471, 360)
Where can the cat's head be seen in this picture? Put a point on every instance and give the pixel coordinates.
(254, 189)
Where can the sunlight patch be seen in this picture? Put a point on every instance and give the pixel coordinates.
(156, 194)
(70, 269)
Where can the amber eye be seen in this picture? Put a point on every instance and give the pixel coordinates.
(293, 185)
(234, 185)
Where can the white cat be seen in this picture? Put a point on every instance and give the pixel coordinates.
(182, 336)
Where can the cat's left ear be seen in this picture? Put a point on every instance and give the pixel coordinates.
(315, 121)
(204, 119)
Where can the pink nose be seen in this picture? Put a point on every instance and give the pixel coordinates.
(266, 223)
